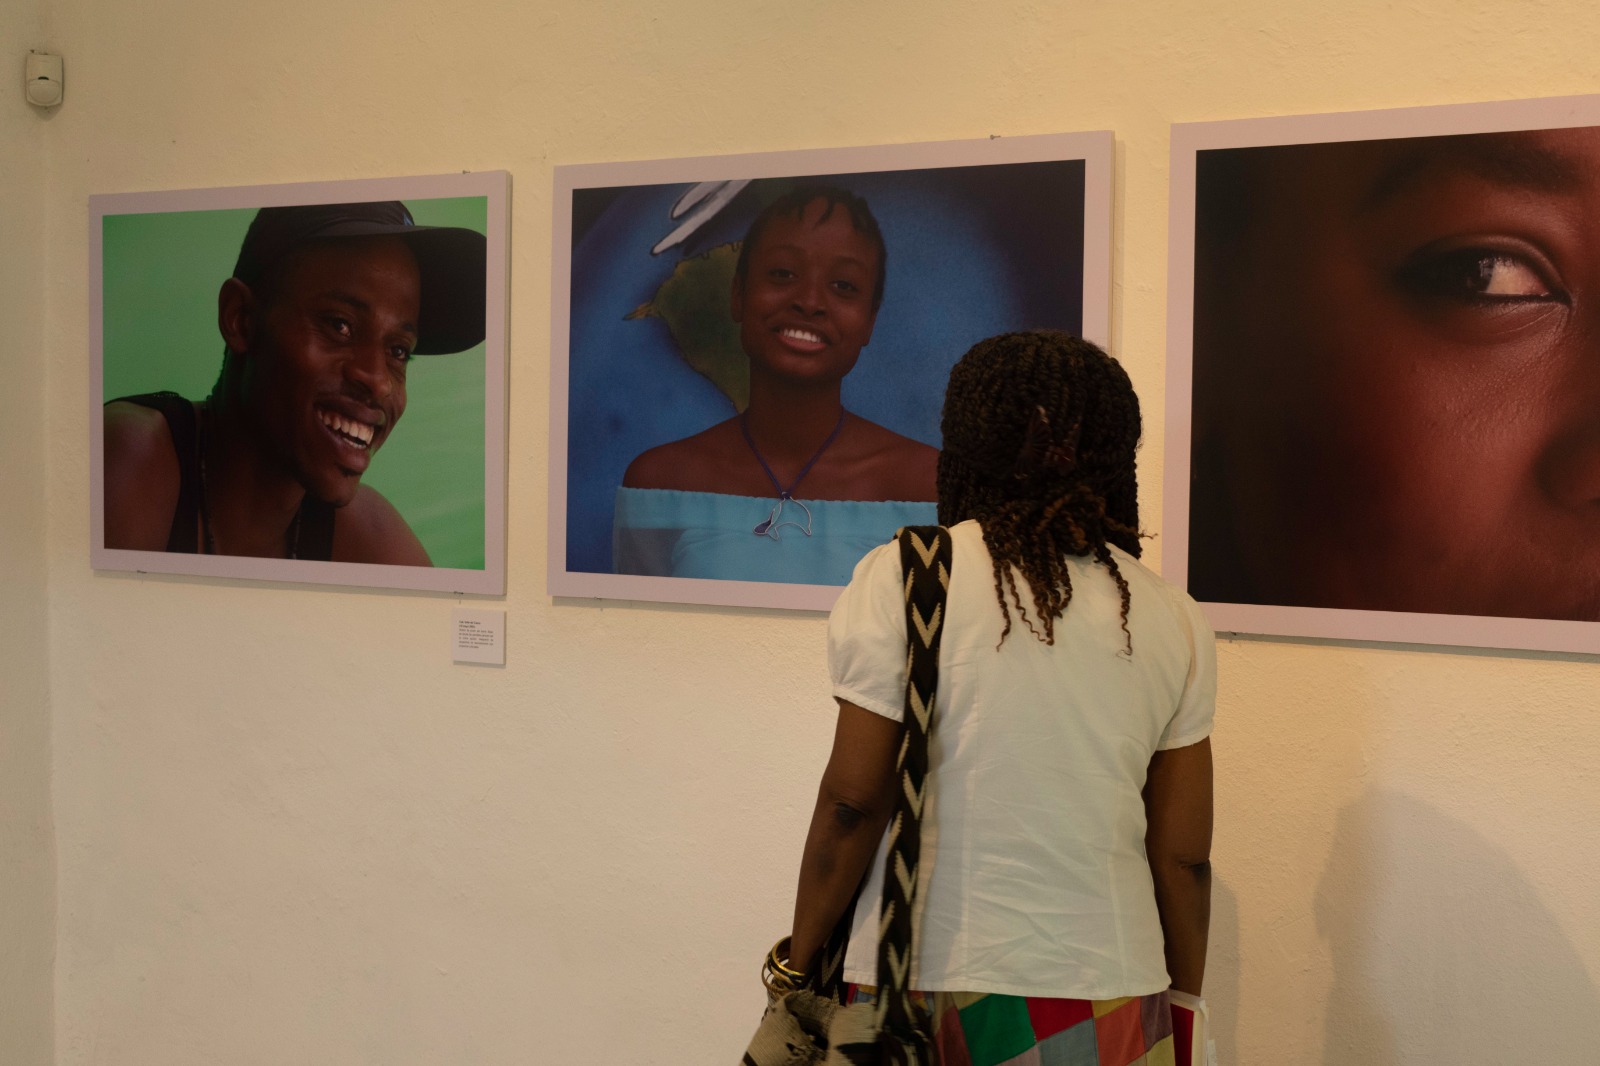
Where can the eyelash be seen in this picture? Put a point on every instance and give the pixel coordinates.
(846, 288)
(344, 330)
(1462, 275)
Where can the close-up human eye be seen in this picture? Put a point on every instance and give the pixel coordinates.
(1479, 275)
(846, 286)
(338, 326)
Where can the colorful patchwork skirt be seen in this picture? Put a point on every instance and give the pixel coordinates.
(977, 1029)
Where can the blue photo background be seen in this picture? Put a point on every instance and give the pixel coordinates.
(972, 251)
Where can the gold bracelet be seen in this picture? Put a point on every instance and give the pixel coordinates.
(779, 957)
(776, 973)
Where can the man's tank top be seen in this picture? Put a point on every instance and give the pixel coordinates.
(313, 524)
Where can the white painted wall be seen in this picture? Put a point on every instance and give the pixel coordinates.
(27, 851)
(289, 830)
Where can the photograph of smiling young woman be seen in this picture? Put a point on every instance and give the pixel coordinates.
(1397, 375)
(795, 487)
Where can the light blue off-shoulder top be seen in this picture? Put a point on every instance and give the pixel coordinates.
(668, 533)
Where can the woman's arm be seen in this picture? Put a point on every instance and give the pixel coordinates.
(853, 806)
(1177, 803)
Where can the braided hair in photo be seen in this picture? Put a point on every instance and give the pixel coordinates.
(1040, 430)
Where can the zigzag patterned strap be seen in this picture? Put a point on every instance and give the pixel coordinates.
(925, 560)
(925, 553)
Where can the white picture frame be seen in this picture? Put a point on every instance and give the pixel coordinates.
(182, 270)
(927, 197)
(1192, 479)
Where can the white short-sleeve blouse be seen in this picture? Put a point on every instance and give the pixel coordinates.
(1038, 884)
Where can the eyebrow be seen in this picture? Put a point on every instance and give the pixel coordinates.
(1500, 159)
(788, 247)
(362, 305)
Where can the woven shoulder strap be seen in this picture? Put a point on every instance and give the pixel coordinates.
(925, 556)
(925, 561)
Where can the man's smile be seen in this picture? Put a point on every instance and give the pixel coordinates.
(354, 434)
(357, 433)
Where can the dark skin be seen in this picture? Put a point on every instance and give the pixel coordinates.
(1177, 842)
(856, 799)
(854, 802)
(805, 311)
(313, 386)
(1401, 413)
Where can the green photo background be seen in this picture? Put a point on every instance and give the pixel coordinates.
(161, 273)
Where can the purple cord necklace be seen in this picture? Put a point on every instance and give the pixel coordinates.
(770, 526)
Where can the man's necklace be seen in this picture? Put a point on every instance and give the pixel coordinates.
(208, 544)
(773, 522)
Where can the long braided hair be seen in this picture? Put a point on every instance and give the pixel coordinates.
(1040, 430)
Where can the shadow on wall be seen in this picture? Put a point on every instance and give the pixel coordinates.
(1222, 970)
(1442, 952)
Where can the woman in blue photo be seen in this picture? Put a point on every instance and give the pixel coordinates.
(794, 488)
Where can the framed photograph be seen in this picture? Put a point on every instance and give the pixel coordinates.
(749, 353)
(302, 382)
(1384, 374)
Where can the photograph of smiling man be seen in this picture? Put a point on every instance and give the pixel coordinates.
(756, 348)
(256, 366)
(1396, 379)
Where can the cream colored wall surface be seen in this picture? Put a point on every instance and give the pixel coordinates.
(27, 856)
(289, 830)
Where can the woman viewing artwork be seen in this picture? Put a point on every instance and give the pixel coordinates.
(1065, 878)
(794, 488)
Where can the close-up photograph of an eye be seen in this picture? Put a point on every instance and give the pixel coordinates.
(1476, 275)
(1373, 320)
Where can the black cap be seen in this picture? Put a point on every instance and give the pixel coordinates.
(453, 263)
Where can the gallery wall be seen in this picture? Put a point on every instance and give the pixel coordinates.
(27, 858)
(288, 829)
